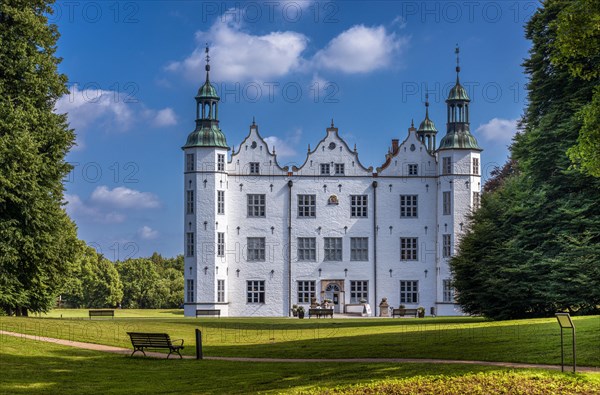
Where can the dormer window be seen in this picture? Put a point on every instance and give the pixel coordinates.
(254, 168)
(325, 169)
(339, 169)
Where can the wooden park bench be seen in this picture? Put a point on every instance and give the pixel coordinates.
(101, 313)
(320, 313)
(403, 312)
(141, 341)
(208, 312)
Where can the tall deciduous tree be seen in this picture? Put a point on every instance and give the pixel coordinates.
(578, 44)
(37, 239)
(95, 281)
(533, 246)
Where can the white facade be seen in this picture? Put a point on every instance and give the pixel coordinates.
(285, 235)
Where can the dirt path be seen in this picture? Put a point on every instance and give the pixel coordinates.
(127, 351)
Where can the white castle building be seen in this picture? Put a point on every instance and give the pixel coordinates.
(260, 238)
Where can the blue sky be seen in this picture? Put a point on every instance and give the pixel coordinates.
(134, 68)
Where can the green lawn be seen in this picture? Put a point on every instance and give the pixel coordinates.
(33, 367)
(530, 341)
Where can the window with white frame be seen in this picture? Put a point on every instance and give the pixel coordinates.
(408, 206)
(256, 248)
(359, 248)
(409, 248)
(358, 206)
(189, 204)
(359, 290)
(254, 168)
(220, 244)
(307, 249)
(325, 169)
(255, 291)
(307, 206)
(413, 169)
(306, 291)
(446, 203)
(220, 162)
(339, 169)
(447, 165)
(256, 206)
(189, 162)
(190, 291)
(220, 202)
(189, 244)
(476, 166)
(220, 291)
(448, 291)
(476, 200)
(333, 248)
(409, 291)
(446, 246)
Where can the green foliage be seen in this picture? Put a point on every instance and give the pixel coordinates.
(152, 283)
(533, 246)
(578, 49)
(95, 281)
(37, 239)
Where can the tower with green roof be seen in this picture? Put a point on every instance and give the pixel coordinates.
(459, 170)
(205, 184)
(427, 131)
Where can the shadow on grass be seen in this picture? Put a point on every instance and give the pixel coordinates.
(60, 370)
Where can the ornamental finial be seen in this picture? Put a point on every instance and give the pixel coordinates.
(457, 52)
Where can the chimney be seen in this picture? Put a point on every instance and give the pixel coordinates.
(395, 145)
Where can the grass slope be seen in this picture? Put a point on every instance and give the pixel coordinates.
(529, 341)
(31, 367)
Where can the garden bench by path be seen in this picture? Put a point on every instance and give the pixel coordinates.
(141, 341)
(403, 312)
(101, 313)
(208, 312)
(320, 313)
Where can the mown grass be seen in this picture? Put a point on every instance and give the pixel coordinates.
(489, 383)
(33, 367)
(528, 341)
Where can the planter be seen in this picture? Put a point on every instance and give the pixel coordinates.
(300, 315)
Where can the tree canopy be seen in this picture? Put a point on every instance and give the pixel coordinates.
(533, 246)
(37, 238)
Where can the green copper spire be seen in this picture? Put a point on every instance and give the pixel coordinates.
(427, 130)
(458, 92)
(458, 134)
(427, 126)
(207, 132)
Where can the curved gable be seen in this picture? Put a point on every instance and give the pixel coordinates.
(411, 151)
(333, 151)
(254, 149)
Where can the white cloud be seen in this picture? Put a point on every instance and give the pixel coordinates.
(121, 197)
(165, 117)
(240, 56)
(284, 148)
(361, 49)
(498, 130)
(88, 106)
(76, 208)
(147, 233)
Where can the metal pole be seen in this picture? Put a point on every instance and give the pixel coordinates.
(574, 360)
(198, 344)
(562, 351)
